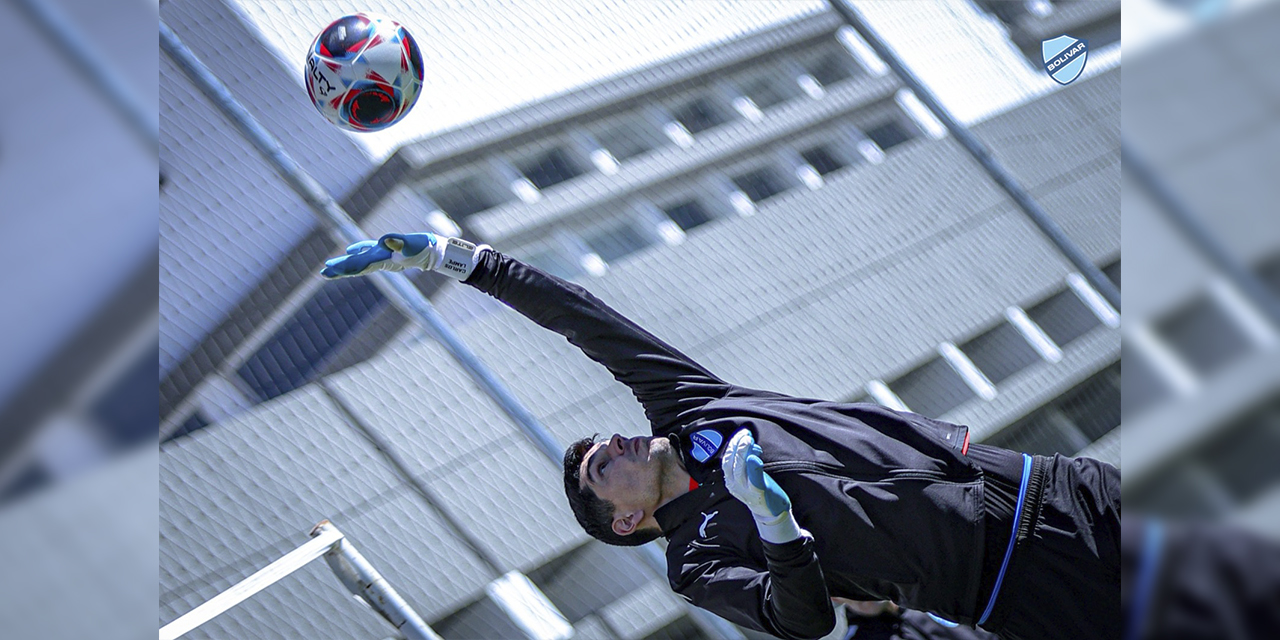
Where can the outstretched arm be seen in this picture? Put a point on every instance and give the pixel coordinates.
(666, 382)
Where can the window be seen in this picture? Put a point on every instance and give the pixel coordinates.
(932, 389)
(325, 322)
(1204, 335)
(551, 167)
(1093, 406)
(889, 134)
(466, 196)
(629, 136)
(768, 88)
(688, 214)
(1064, 317)
(616, 242)
(822, 159)
(699, 115)
(1140, 385)
(555, 263)
(1071, 422)
(828, 65)
(589, 578)
(1000, 352)
(1270, 273)
(195, 422)
(1112, 271)
(1244, 457)
(761, 184)
(125, 409)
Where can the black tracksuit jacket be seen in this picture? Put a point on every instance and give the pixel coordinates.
(894, 506)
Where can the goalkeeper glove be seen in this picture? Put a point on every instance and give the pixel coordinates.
(453, 257)
(747, 481)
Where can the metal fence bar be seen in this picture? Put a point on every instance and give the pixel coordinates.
(1194, 231)
(982, 154)
(366, 583)
(395, 286)
(243, 590)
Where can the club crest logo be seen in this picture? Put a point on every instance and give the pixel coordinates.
(1064, 58)
(705, 444)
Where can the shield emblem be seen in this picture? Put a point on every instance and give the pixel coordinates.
(1064, 57)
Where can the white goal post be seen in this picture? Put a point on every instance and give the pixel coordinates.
(347, 564)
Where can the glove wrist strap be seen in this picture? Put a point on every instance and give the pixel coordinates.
(459, 258)
(778, 530)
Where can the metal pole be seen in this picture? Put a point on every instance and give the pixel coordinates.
(395, 286)
(320, 543)
(1193, 229)
(74, 45)
(367, 584)
(979, 151)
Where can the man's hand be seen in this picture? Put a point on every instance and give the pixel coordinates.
(399, 251)
(747, 481)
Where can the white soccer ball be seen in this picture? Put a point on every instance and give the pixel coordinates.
(364, 72)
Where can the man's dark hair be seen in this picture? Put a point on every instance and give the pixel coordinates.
(594, 514)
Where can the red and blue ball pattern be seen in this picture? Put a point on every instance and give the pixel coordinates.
(364, 72)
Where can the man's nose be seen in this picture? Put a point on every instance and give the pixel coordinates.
(615, 443)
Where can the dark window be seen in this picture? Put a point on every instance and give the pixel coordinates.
(550, 168)
(822, 160)
(932, 389)
(554, 263)
(1112, 271)
(1000, 352)
(699, 115)
(628, 139)
(888, 135)
(1064, 317)
(33, 476)
(760, 184)
(291, 356)
(766, 92)
(617, 242)
(1244, 459)
(1270, 273)
(127, 409)
(830, 68)
(1140, 386)
(1068, 424)
(688, 214)
(463, 198)
(1093, 406)
(195, 422)
(1203, 334)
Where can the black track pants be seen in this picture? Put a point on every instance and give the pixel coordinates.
(1063, 579)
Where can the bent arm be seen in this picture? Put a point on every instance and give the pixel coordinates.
(788, 598)
(665, 381)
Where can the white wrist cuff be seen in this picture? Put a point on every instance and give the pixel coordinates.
(460, 258)
(779, 530)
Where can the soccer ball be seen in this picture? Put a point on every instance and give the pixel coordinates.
(364, 72)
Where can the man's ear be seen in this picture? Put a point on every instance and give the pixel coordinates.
(625, 522)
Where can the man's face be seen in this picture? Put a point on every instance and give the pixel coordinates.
(628, 472)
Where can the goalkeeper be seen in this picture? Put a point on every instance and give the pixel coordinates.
(773, 505)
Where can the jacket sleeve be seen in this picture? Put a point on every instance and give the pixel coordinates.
(787, 598)
(665, 381)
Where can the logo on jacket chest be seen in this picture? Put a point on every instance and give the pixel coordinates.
(705, 444)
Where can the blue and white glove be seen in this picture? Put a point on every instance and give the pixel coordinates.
(453, 257)
(747, 481)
